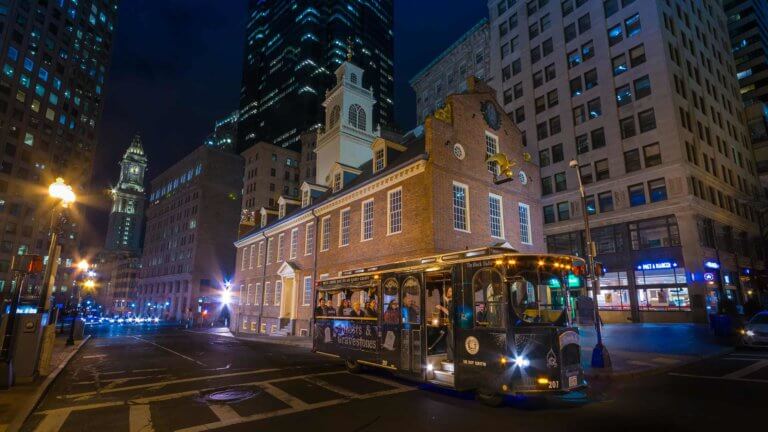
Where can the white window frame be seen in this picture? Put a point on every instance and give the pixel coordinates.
(493, 167)
(379, 162)
(492, 196)
(454, 185)
(527, 226)
(294, 243)
(261, 254)
(266, 291)
(391, 213)
(244, 258)
(363, 219)
(269, 250)
(325, 233)
(280, 247)
(338, 181)
(305, 198)
(307, 299)
(278, 293)
(256, 294)
(309, 238)
(250, 257)
(344, 229)
(248, 295)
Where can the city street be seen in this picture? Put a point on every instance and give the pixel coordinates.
(161, 378)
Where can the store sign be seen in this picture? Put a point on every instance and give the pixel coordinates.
(709, 277)
(712, 265)
(660, 265)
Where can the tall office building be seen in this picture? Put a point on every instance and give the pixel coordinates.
(468, 56)
(54, 57)
(292, 49)
(126, 218)
(748, 28)
(224, 133)
(643, 95)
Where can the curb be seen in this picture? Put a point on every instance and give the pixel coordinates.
(265, 339)
(620, 376)
(42, 389)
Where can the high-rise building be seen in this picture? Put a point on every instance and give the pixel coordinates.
(126, 218)
(291, 50)
(748, 28)
(224, 133)
(192, 219)
(643, 95)
(447, 73)
(54, 57)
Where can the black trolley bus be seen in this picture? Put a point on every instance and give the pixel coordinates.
(490, 320)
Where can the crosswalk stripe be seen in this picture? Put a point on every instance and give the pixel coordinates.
(140, 418)
(747, 370)
(331, 387)
(284, 397)
(385, 381)
(225, 413)
(52, 422)
(718, 378)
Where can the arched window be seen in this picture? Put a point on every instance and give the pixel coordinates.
(353, 78)
(335, 116)
(357, 116)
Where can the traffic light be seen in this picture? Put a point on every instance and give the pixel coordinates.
(599, 269)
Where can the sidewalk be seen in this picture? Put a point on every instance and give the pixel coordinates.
(17, 403)
(635, 349)
(640, 349)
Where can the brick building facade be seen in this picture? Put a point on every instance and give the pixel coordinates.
(428, 193)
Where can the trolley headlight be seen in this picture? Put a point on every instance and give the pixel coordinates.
(750, 333)
(430, 368)
(522, 362)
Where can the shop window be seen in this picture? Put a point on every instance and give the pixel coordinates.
(664, 299)
(654, 233)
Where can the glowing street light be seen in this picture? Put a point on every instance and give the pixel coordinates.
(89, 284)
(62, 191)
(83, 265)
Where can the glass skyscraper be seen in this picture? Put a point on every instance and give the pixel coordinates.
(54, 57)
(292, 49)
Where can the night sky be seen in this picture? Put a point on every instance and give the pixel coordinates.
(176, 68)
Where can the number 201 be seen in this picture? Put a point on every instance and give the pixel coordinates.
(554, 384)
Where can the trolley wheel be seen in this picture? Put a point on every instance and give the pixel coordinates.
(353, 366)
(489, 398)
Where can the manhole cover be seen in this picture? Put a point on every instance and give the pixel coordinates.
(229, 395)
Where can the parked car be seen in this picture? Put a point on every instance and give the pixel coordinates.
(755, 332)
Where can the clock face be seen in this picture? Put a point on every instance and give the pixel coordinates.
(458, 151)
(523, 177)
(491, 115)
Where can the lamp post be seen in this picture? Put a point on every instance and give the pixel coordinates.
(66, 196)
(600, 356)
(82, 267)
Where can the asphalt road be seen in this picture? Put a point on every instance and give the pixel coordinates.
(163, 379)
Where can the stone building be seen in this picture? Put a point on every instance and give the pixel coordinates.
(643, 94)
(447, 73)
(427, 193)
(192, 220)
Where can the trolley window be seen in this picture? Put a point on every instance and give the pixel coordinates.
(352, 300)
(488, 298)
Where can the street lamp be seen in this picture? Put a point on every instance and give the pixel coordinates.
(600, 356)
(62, 192)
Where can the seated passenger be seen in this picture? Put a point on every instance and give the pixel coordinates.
(392, 314)
(481, 315)
(346, 308)
(330, 310)
(371, 309)
(356, 311)
(320, 309)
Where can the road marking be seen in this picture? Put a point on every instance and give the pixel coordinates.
(53, 421)
(719, 378)
(94, 356)
(331, 387)
(748, 370)
(170, 350)
(281, 395)
(140, 418)
(225, 413)
(665, 360)
(385, 381)
(149, 370)
(170, 382)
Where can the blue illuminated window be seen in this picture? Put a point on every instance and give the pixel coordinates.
(56, 83)
(39, 89)
(42, 74)
(24, 80)
(8, 70)
(636, 195)
(13, 53)
(28, 64)
(53, 98)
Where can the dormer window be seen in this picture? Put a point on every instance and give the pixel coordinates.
(263, 219)
(281, 210)
(378, 160)
(337, 182)
(304, 198)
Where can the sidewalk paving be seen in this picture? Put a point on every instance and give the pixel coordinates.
(20, 400)
(635, 349)
(640, 349)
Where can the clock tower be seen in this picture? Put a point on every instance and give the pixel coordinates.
(127, 215)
